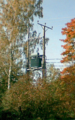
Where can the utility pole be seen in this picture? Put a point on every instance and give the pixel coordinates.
(28, 48)
(44, 62)
(28, 54)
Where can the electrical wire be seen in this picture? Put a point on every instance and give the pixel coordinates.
(54, 59)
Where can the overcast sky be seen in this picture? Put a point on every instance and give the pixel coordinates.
(56, 13)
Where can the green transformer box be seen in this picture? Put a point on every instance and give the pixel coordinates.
(36, 60)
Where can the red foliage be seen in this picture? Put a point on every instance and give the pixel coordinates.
(69, 54)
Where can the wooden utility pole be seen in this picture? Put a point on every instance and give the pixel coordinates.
(28, 47)
(44, 62)
(28, 54)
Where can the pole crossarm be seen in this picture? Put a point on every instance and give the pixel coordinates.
(46, 26)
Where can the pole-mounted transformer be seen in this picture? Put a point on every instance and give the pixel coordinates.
(36, 61)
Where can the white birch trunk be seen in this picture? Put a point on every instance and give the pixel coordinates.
(9, 74)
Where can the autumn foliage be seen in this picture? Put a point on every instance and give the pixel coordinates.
(68, 74)
(49, 99)
(38, 102)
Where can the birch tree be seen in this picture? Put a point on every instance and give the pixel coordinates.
(16, 16)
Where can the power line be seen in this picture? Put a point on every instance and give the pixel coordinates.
(53, 62)
(54, 59)
(58, 18)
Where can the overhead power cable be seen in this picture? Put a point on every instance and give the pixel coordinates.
(53, 62)
(54, 59)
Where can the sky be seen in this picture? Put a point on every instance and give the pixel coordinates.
(56, 13)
